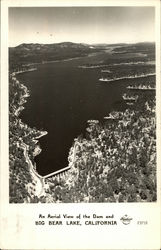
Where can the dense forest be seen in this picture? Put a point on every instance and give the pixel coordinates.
(26, 54)
(115, 161)
(22, 185)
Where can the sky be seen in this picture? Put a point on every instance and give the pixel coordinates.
(81, 24)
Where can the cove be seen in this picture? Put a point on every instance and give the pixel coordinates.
(63, 97)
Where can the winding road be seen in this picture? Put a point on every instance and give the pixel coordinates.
(37, 178)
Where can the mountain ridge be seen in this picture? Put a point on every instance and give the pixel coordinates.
(82, 44)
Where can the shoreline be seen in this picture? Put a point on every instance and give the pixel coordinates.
(126, 77)
(37, 150)
(63, 60)
(55, 61)
(41, 135)
(23, 71)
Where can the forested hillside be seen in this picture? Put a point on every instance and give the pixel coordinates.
(116, 162)
(22, 186)
(115, 159)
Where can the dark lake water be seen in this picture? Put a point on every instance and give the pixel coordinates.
(63, 97)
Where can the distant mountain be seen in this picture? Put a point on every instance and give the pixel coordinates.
(29, 53)
(143, 47)
(36, 46)
(111, 44)
(37, 53)
(51, 46)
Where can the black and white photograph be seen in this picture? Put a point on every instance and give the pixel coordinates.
(82, 104)
(80, 125)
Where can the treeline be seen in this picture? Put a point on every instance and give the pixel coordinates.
(21, 183)
(38, 53)
(115, 162)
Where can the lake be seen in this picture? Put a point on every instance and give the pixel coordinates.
(63, 97)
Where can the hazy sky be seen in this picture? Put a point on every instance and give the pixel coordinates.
(80, 24)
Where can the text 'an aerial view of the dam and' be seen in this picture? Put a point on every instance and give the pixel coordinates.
(82, 105)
